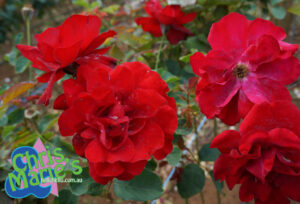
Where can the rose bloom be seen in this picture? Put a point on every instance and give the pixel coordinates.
(120, 118)
(248, 64)
(59, 50)
(264, 156)
(169, 18)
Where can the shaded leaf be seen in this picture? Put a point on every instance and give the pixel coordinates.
(192, 181)
(278, 12)
(174, 157)
(218, 184)
(144, 187)
(87, 186)
(21, 64)
(208, 154)
(65, 197)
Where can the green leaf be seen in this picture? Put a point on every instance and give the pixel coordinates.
(15, 117)
(47, 122)
(144, 187)
(295, 9)
(208, 154)
(192, 181)
(3, 120)
(11, 57)
(21, 64)
(111, 9)
(274, 2)
(7, 130)
(218, 184)
(88, 185)
(18, 38)
(175, 156)
(151, 164)
(278, 12)
(65, 197)
(186, 58)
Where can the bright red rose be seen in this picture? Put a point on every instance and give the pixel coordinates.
(120, 117)
(170, 18)
(59, 50)
(264, 156)
(248, 64)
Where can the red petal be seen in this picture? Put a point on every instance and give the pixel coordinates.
(60, 103)
(260, 27)
(79, 28)
(147, 141)
(265, 50)
(95, 152)
(226, 141)
(166, 118)
(98, 41)
(229, 34)
(282, 70)
(177, 33)
(153, 7)
(264, 90)
(150, 25)
(281, 114)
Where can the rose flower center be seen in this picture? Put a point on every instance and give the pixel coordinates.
(241, 71)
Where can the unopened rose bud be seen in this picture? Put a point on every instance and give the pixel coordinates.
(27, 11)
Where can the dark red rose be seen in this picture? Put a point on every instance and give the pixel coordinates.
(59, 50)
(120, 117)
(264, 156)
(170, 17)
(248, 64)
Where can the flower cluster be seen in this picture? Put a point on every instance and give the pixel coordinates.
(120, 117)
(244, 77)
(264, 156)
(169, 19)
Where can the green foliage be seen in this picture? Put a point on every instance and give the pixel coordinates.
(87, 186)
(144, 187)
(174, 157)
(208, 154)
(295, 9)
(218, 184)
(65, 197)
(192, 181)
(278, 12)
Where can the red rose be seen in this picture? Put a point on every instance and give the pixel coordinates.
(170, 17)
(248, 64)
(264, 156)
(120, 117)
(59, 50)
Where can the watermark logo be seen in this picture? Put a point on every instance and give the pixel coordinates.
(37, 171)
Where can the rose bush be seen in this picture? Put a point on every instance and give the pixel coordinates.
(248, 64)
(264, 155)
(120, 118)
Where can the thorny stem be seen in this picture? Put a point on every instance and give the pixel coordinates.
(215, 127)
(28, 35)
(219, 197)
(159, 51)
(202, 197)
